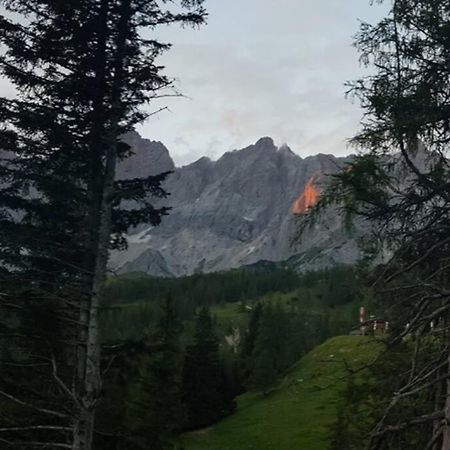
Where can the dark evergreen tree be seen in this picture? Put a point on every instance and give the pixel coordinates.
(249, 339)
(297, 335)
(251, 333)
(122, 363)
(154, 406)
(264, 373)
(266, 351)
(82, 71)
(206, 391)
(401, 183)
(233, 372)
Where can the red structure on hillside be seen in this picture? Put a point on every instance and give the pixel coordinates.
(371, 326)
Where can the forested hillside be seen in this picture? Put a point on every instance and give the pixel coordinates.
(132, 300)
(301, 410)
(235, 331)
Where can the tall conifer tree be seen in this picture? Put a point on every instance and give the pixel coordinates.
(401, 183)
(82, 70)
(206, 392)
(155, 411)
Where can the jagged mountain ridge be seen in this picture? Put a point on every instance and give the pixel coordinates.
(232, 212)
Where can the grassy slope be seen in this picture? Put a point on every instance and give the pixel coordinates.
(299, 413)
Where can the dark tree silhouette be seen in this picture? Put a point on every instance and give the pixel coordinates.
(82, 70)
(206, 392)
(400, 183)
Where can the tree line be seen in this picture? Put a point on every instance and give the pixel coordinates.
(180, 373)
(131, 303)
(219, 287)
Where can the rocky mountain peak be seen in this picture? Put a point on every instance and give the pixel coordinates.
(265, 142)
(149, 158)
(285, 150)
(235, 211)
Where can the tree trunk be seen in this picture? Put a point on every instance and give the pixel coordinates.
(83, 430)
(97, 241)
(92, 380)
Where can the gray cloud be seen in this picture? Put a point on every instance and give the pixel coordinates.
(272, 67)
(260, 67)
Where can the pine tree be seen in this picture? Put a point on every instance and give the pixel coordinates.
(401, 183)
(264, 370)
(274, 351)
(206, 392)
(249, 340)
(264, 359)
(82, 70)
(154, 406)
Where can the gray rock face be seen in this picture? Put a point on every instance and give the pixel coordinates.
(149, 158)
(233, 212)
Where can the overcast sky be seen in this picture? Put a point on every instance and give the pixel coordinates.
(263, 68)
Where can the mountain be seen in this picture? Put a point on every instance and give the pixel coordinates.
(238, 210)
(149, 158)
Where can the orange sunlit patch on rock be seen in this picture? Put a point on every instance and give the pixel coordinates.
(308, 198)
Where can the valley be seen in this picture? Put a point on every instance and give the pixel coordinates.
(203, 246)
